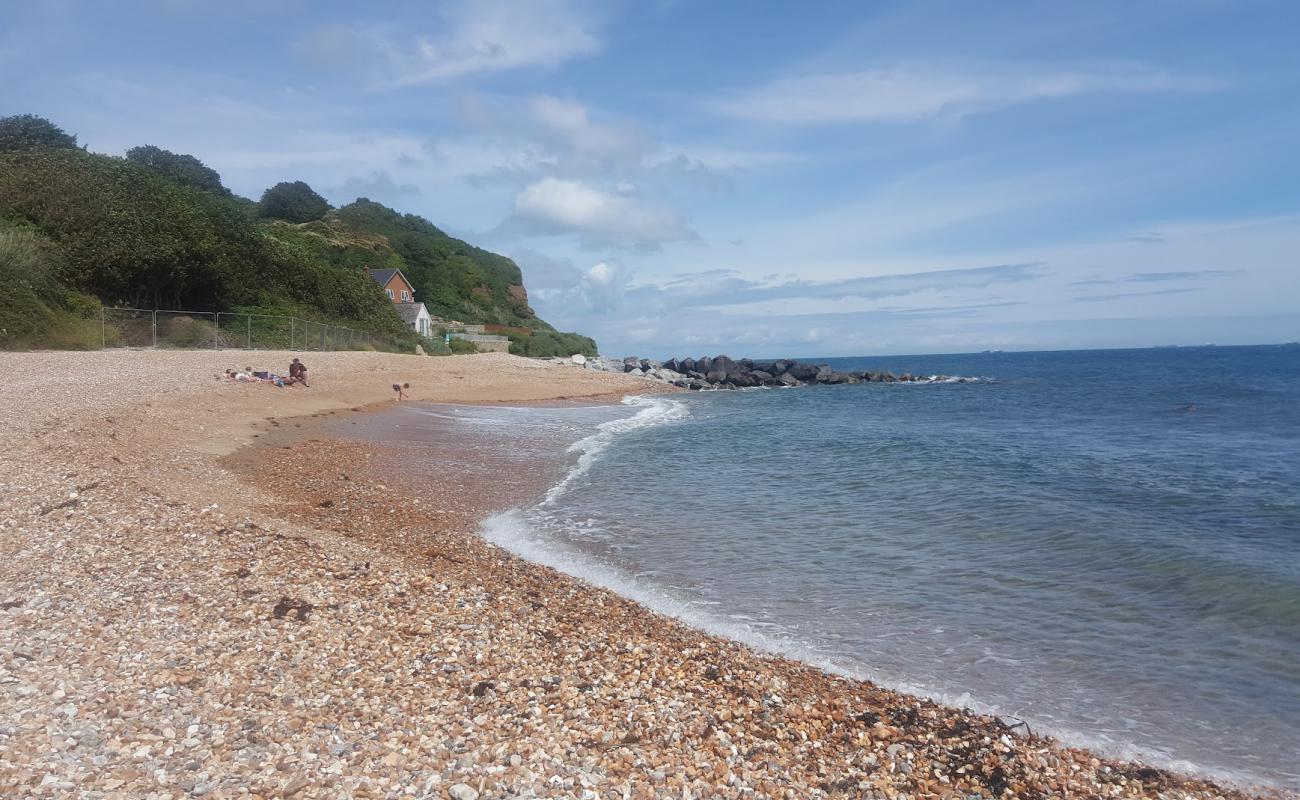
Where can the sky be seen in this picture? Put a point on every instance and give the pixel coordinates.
(752, 178)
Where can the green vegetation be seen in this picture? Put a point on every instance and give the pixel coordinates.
(292, 202)
(544, 344)
(181, 169)
(462, 347)
(34, 308)
(158, 229)
(30, 132)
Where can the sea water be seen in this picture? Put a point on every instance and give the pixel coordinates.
(1103, 544)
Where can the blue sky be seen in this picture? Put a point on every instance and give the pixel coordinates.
(746, 177)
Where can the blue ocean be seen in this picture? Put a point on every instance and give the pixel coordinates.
(1103, 544)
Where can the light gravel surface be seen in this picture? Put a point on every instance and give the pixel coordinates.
(178, 619)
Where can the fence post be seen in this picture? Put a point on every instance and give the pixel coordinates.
(322, 337)
(153, 326)
(250, 332)
(216, 330)
(291, 320)
(103, 330)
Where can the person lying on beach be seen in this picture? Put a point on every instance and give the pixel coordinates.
(298, 372)
(250, 376)
(401, 388)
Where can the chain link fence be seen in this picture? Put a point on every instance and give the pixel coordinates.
(139, 327)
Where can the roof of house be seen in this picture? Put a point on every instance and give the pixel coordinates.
(410, 312)
(383, 276)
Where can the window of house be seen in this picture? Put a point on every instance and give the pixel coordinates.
(390, 293)
(406, 296)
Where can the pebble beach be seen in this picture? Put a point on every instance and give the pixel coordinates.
(203, 593)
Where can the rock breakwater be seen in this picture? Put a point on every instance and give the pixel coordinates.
(724, 372)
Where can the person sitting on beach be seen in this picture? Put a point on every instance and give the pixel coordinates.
(298, 372)
(401, 388)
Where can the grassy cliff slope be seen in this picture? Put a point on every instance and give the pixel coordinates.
(158, 230)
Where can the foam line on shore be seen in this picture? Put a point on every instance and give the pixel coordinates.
(512, 531)
(653, 411)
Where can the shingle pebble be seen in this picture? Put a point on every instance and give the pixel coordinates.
(204, 624)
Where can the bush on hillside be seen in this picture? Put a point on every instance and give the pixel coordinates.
(34, 310)
(30, 132)
(183, 169)
(128, 235)
(158, 230)
(292, 202)
(547, 344)
(135, 238)
(434, 346)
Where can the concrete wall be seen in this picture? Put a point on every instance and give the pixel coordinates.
(485, 344)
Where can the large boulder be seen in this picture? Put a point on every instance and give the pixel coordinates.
(780, 366)
(703, 364)
(723, 370)
(823, 374)
(786, 379)
(802, 372)
(630, 363)
(762, 376)
(686, 365)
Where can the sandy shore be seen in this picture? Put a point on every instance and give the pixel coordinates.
(183, 617)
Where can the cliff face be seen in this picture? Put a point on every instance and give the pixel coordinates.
(454, 279)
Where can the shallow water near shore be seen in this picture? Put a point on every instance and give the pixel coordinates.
(1103, 544)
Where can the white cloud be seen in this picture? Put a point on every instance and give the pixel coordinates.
(911, 93)
(474, 36)
(558, 206)
(520, 140)
(568, 123)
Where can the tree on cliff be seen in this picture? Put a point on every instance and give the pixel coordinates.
(292, 202)
(177, 167)
(30, 132)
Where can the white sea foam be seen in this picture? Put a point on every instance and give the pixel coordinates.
(947, 379)
(654, 411)
(516, 532)
(512, 531)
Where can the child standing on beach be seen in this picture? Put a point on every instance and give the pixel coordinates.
(400, 389)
